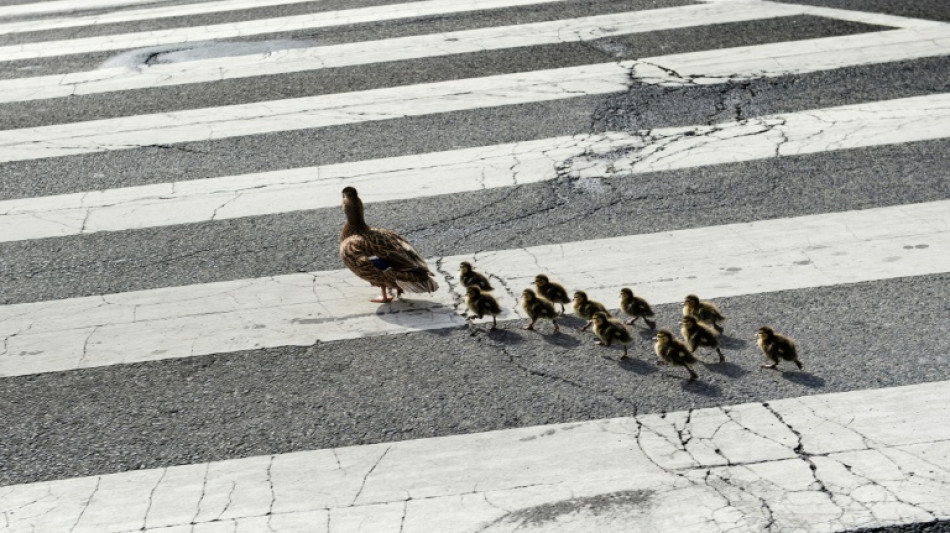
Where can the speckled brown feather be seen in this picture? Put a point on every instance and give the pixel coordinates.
(777, 347)
(697, 334)
(673, 352)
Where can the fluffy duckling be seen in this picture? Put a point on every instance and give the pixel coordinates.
(609, 330)
(381, 256)
(469, 278)
(703, 310)
(673, 352)
(538, 308)
(550, 291)
(482, 304)
(636, 307)
(585, 308)
(776, 347)
(697, 334)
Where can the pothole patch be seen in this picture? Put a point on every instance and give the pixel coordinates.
(184, 52)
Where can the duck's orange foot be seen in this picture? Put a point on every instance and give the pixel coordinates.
(384, 297)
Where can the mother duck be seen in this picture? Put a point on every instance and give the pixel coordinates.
(380, 256)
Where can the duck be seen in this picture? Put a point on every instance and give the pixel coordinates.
(673, 352)
(636, 307)
(482, 303)
(585, 308)
(381, 256)
(469, 278)
(697, 334)
(703, 310)
(538, 308)
(550, 291)
(776, 347)
(608, 330)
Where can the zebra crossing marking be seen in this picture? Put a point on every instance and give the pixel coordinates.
(853, 459)
(38, 8)
(150, 13)
(311, 112)
(859, 459)
(230, 30)
(301, 309)
(594, 156)
(367, 52)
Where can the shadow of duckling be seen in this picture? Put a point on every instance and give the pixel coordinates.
(804, 378)
(636, 365)
(732, 343)
(702, 388)
(726, 368)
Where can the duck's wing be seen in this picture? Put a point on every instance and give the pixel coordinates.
(356, 253)
(387, 257)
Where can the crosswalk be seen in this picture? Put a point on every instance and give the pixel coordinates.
(182, 350)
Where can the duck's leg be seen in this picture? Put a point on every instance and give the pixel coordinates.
(692, 374)
(384, 299)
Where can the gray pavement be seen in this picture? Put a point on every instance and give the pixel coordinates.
(461, 380)
(563, 210)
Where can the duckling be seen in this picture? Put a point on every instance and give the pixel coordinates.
(550, 291)
(468, 277)
(703, 310)
(585, 308)
(636, 307)
(381, 256)
(697, 334)
(482, 303)
(673, 352)
(776, 347)
(538, 308)
(609, 330)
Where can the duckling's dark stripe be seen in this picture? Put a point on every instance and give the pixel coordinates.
(171, 412)
(645, 107)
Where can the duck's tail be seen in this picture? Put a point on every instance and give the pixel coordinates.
(427, 285)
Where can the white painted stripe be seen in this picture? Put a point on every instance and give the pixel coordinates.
(300, 309)
(311, 112)
(827, 462)
(800, 57)
(37, 8)
(361, 53)
(232, 30)
(865, 17)
(870, 17)
(846, 127)
(179, 10)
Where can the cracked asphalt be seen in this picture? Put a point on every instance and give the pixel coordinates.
(462, 380)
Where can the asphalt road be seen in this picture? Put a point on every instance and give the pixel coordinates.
(463, 380)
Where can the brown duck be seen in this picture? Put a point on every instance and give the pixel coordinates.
(673, 352)
(608, 330)
(636, 307)
(381, 256)
(703, 310)
(776, 347)
(697, 334)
